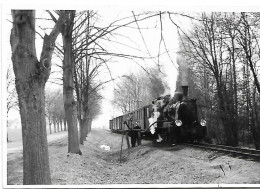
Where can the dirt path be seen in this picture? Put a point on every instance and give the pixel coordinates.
(146, 164)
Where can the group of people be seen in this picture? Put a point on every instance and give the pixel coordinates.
(165, 108)
(134, 133)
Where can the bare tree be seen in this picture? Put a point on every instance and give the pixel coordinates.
(90, 52)
(31, 75)
(248, 39)
(70, 104)
(12, 99)
(222, 50)
(139, 89)
(207, 48)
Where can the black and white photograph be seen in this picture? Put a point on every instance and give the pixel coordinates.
(113, 95)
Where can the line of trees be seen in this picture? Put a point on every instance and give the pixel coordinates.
(82, 58)
(55, 111)
(222, 50)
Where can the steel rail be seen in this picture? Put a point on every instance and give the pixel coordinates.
(234, 151)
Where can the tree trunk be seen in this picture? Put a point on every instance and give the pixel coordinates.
(31, 76)
(89, 126)
(35, 151)
(65, 124)
(55, 126)
(58, 125)
(235, 77)
(69, 102)
(50, 126)
(82, 120)
(61, 126)
(231, 133)
(83, 127)
(255, 123)
(7, 127)
(87, 117)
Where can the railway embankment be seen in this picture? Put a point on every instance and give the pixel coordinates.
(145, 164)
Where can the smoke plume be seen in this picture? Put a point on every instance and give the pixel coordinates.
(183, 71)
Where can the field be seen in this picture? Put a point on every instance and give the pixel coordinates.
(145, 164)
(14, 134)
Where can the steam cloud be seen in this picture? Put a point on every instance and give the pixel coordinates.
(183, 71)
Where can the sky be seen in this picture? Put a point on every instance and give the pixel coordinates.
(118, 66)
(114, 9)
(151, 38)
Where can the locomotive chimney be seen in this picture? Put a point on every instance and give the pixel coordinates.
(185, 92)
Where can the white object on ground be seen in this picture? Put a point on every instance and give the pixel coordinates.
(104, 147)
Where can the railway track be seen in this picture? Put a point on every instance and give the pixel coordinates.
(234, 151)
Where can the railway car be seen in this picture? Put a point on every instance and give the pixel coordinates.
(170, 119)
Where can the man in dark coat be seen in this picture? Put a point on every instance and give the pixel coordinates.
(135, 135)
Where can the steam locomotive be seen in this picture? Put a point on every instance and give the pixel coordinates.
(169, 119)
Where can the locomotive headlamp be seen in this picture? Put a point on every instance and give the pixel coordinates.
(203, 122)
(178, 123)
